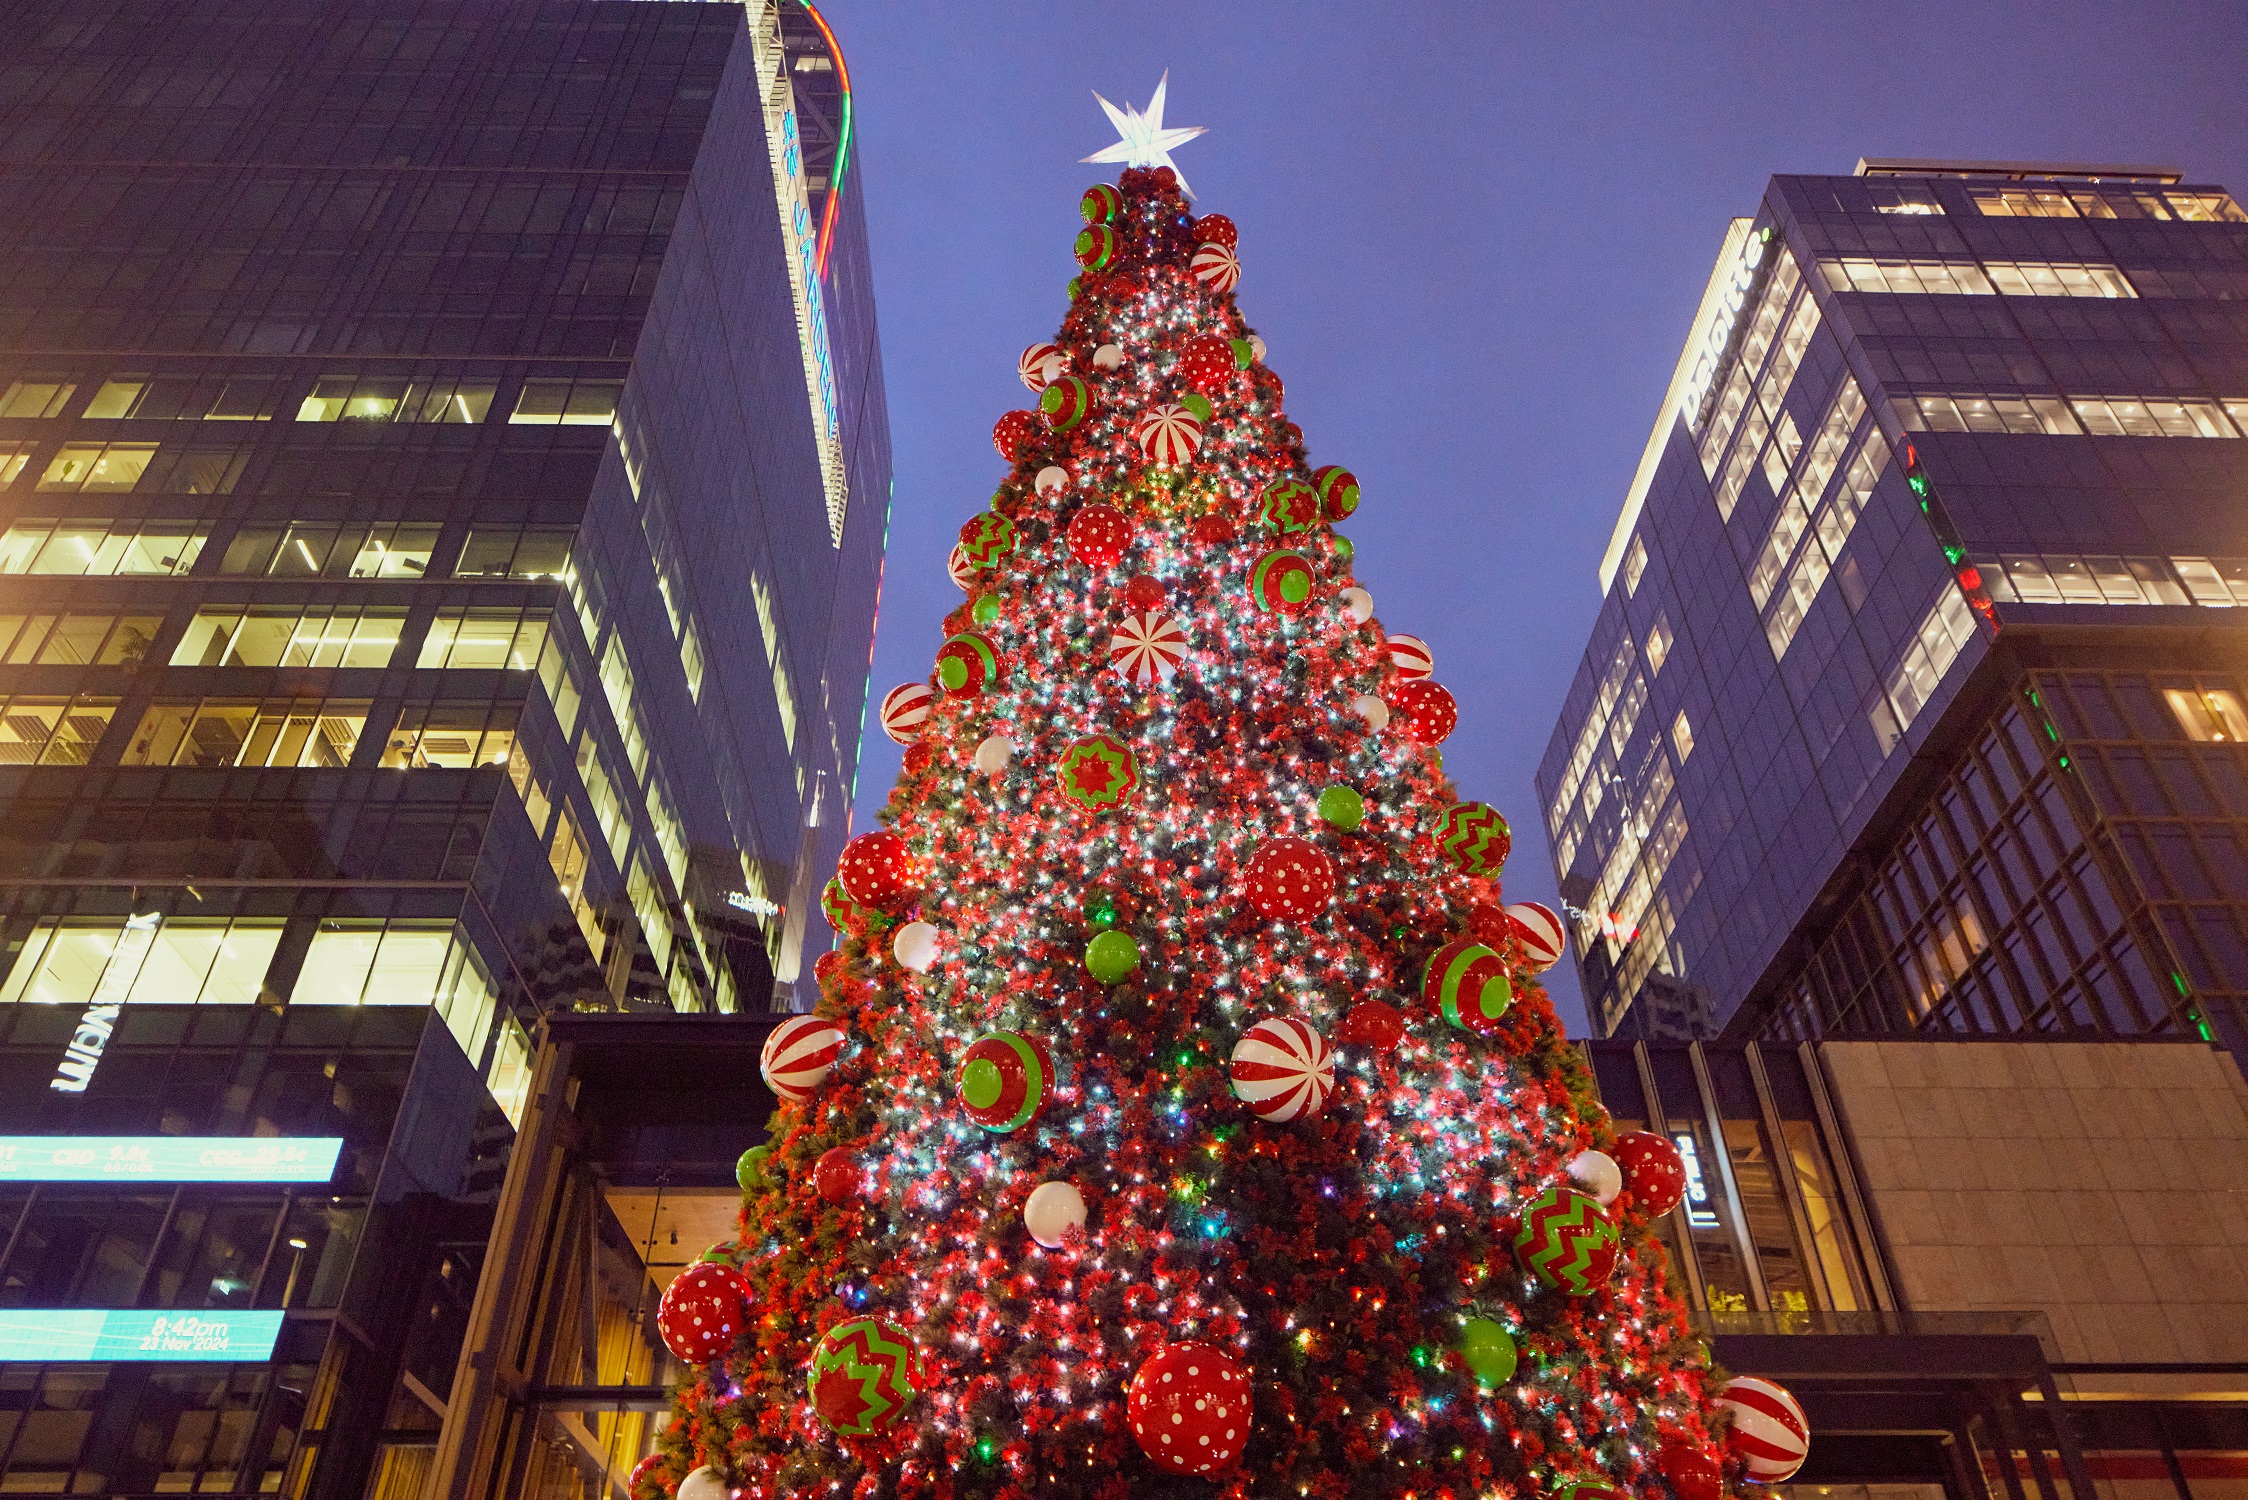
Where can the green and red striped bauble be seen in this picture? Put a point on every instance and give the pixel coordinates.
(1466, 983)
(1281, 582)
(1567, 1242)
(966, 665)
(1006, 1078)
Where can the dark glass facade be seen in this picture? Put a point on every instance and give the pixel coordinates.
(1915, 696)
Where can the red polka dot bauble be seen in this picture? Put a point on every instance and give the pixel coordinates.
(1769, 1434)
(1289, 880)
(1098, 535)
(1207, 363)
(1014, 433)
(1190, 1409)
(702, 1310)
(1652, 1170)
(1691, 1471)
(1216, 229)
(824, 967)
(1425, 710)
(876, 867)
(836, 1176)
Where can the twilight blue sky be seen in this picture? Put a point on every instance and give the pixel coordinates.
(1472, 235)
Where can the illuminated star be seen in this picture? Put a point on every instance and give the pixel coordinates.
(1145, 142)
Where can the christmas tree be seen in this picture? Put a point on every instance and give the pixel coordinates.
(1182, 1115)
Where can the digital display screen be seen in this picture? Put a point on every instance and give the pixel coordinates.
(73, 1334)
(167, 1158)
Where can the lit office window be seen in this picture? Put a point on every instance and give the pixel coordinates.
(1964, 413)
(97, 466)
(184, 398)
(13, 458)
(1900, 198)
(101, 548)
(516, 552)
(2215, 583)
(486, 638)
(77, 640)
(2206, 208)
(2029, 578)
(369, 398)
(510, 1076)
(374, 963)
(1658, 644)
(215, 734)
(2208, 714)
(2113, 202)
(1682, 736)
(290, 638)
(52, 731)
(1635, 564)
(567, 403)
(2124, 417)
(1943, 632)
(388, 550)
(189, 961)
(36, 396)
(457, 736)
(2025, 278)
(1892, 274)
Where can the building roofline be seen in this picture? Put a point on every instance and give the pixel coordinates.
(1635, 498)
(1921, 166)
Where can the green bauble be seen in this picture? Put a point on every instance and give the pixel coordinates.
(1111, 956)
(986, 609)
(1342, 806)
(749, 1172)
(1344, 550)
(1076, 285)
(1199, 404)
(1488, 1350)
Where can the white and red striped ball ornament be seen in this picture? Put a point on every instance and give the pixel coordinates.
(1539, 932)
(1041, 365)
(1283, 1070)
(1410, 655)
(1147, 648)
(905, 711)
(961, 571)
(799, 1055)
(1216, 267)
(1769, 1434)
(1169, 436)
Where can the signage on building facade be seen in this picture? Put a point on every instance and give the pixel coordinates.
(1700, 1211)
(54, 1335)
(166, 1158)
(1728, 317)
(83, 1055)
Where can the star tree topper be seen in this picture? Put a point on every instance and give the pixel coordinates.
(1145, 143)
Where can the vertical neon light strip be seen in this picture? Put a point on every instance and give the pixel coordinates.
(842, 140)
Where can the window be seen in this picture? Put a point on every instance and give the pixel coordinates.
(567, 403)
(2016, 414)
(314, 550)
(1681, 737)
(2206, 208)
(216, 734)
(1658, 644)
(184, 398)
(76, 640)
(2021, 578)
(516, 552)
(13, 457)
(2056, 279)
(52, 731)
(1934, 277)
(510, 1080)
(369, 398)
(37, 396)
(1898, 198)
(2026, 203)
(97, 466)
(1944, 630)
(291, 637)
(1635, 563)
(188, 961)
(101, 548)
(373, 963)
(457, 736)
(2208, 714)
(486, 638)
(2123, 417)
(2214, 582)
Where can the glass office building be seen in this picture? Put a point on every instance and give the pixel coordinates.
(443, 481)
(1915, 699)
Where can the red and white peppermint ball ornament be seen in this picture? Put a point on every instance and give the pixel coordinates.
(1216, 267)
(962, 572)
(875, 867)
(702, 1310)
(1207, 363)
(1190, 1409)
(1424, 710)
(1652, 1170)
(1040, 366)
(1539, 931)
(1169, 436)
(1289, 879)
(1282, 1069)
(905, 711)
(798, 1056)
(1097, 535)
(1769, 1434)
(1409, 654)
(1148, 648)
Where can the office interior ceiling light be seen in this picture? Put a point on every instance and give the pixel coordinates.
(1146, 141)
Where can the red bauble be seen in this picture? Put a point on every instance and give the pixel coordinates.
(1014, 433)
(1371, 1023)
(1489, 926)
(1289, 879)
(1652, 1171)
(1212, 530)
(1143, 593)
(824, 967)
(1691, 1471)
(836, 1176)
(918, 758)
(1098, 535)
(1216, 229)
(1207, 363)
(1424, 710)
(1190, 1409)
(702, 1310)
(875, 867)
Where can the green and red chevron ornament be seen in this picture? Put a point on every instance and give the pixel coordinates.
(1099, 772)
(1590, 1489)
(1567, 1242)
(1005, 1080)
(1281, 582)
(845, 915)
(987, 539)
(1473, 838)
(864, 1373)
(1466, 984)
(966, 665)
(1289, 505)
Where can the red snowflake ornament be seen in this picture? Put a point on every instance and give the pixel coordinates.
(1289, 879)
(702, 1310)
(1190, 1409)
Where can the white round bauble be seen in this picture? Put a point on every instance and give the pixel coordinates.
(1597, 1173)
(1052, 479)
(1256, 348)
(1108, 356)
(1359, 603)
(1052, 1211)
(916, 946)
(994, 753)
(704, 1483)
(1371, 709)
